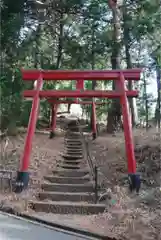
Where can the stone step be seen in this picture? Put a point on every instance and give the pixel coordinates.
(68, 166)
(73, 143)
(58, 187)
(72, 162)
(73, 135)
(71, 173)
(74, 153)
(66, 196)
(73, 148)
(72, 157)
(77, 138)
(67, 207)
(76, 148)
(69, 138)
(67, 180)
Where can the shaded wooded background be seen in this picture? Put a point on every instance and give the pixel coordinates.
(79, 34)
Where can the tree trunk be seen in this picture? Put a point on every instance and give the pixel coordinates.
(94, 83)
(69, 107)
(146, 104)
(37, 47)
(114, 113)
(126, 36)
(60, 42)
(158, 106)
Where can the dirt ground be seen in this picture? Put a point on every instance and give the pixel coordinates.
(128, 215)
(45, 152)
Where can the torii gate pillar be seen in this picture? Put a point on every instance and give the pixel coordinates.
(53, 120)
(23, 173)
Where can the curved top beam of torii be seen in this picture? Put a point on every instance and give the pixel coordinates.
(54, 75)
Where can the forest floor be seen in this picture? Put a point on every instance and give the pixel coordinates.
(45, 152)
(128, 215)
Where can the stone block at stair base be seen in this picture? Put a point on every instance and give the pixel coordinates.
(67, 207)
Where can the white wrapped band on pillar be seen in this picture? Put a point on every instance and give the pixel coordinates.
(35, 85)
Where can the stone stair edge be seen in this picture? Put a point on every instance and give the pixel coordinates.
(69, 165)
(68, 203)
(67, 193)
(86, 170)
(76, 178)
(68, 184)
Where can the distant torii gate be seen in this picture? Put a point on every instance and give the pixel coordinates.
(55, 103)
(118, 75)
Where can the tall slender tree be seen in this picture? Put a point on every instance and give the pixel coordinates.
(114, 114)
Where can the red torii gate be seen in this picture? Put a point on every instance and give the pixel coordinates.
(118, 75)
(55, 103)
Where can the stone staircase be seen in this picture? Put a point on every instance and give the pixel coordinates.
(69, 190)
